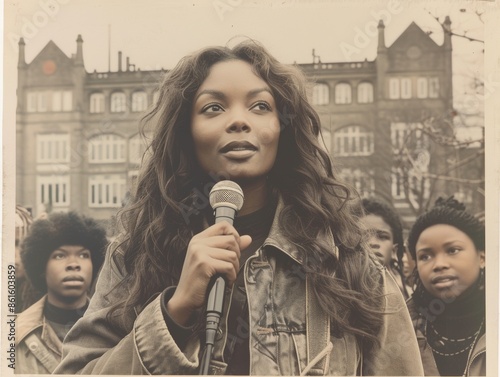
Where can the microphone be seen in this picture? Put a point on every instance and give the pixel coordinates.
(226, 198)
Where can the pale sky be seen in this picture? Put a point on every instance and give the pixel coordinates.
(157, 33)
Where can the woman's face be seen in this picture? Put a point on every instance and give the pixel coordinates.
(381, 239)
(447, 261)
(235, 124)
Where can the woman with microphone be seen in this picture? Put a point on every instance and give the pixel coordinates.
(303, 295)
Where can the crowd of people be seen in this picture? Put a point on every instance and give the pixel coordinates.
(318, 281)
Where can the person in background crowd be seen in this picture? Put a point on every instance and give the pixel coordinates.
(448, 306)
(62, 254)
(386, 239)
(307, 295)
(24, 293)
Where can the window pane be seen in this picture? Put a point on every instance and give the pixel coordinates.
(434, 87)
(394, 88)
(343, 93)
(422, 87)
(57, 101)
(405, 88)
(118, 101)
(365, 92)
(321, 94)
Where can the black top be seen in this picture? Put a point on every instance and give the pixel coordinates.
(455, 328)
(62, 320)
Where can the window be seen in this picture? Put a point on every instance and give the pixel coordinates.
(139, 101)
(394, 88)
(353, 141)
(408, 135)
(97, 103)
(343, 93)
(422, 87)
(67, 97)
(106, 190)
(42, 103)
(32, 102)
(433, 87)
(405, 88)
(52, 148)
(53, 190)
(56, 100)
(107, 148)
(362, 181)
(118, 102)
(418, 186)
(321, 94)
(365, 92)
(137, 148)
(397, 187)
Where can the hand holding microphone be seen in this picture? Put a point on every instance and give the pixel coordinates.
(214, 251)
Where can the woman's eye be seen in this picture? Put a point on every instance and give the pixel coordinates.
(58, 256)
(424, 257)
(262, 106)
(453, 250)
(212, 108)
(85, 255)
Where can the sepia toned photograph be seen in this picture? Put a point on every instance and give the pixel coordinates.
(303, 187)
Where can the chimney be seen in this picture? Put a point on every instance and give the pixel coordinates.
(22, 58)
(119, 61)
(381, 37)
(447, 32)
(79, 50)
(128, 64)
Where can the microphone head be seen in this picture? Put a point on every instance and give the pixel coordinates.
(226, 194)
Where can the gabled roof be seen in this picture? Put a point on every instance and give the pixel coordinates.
(411, 36)
(51, 51)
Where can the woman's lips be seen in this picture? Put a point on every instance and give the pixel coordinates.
(73, 281)
(238, 150)
(239, 154)
(441, 282)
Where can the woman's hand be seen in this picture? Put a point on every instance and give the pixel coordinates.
(214, 251)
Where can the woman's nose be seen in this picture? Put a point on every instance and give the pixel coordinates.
(373, 242)
(238, 122)
(73, 265)
(440, 262)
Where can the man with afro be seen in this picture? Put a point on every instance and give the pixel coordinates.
(62, 255)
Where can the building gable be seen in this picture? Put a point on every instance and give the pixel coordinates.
(414, 50)
(51, 67)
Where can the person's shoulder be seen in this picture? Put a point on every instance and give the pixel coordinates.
(29, 320)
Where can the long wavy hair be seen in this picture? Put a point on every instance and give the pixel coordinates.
(165, 211)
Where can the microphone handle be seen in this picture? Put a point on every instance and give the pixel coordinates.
(215, 301)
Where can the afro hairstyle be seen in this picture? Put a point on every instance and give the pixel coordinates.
(376, 207)
(58, 229)
(450, 212)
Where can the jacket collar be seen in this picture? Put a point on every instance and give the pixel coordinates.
(277, 239)
(33, 318)
(30, 319)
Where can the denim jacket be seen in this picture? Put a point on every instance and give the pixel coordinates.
(289, 333)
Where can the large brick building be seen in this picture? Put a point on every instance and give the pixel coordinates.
(78, 145)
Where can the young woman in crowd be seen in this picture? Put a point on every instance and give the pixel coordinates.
(448, 306)
(305, 295)
(386, 239)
